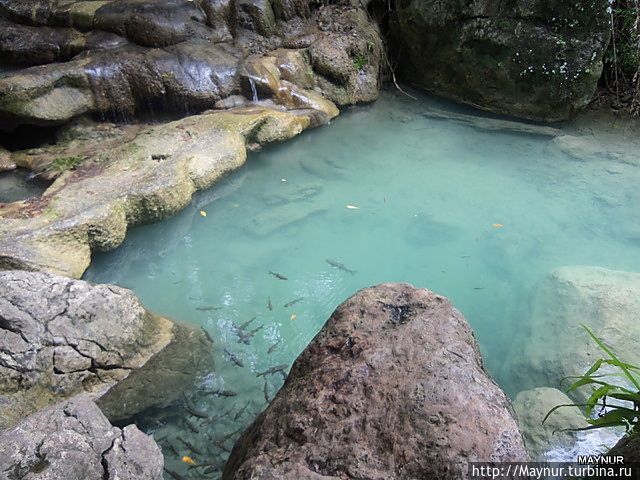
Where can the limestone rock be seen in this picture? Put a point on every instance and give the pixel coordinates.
(539, 60)
(555, 346)
(392, 387)
(74, 441)
(6, 163)
(532, 406)
(151, 174)
(60, 337)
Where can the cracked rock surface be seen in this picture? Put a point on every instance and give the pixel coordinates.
(393, 387)
(74, 441)
(60, 337)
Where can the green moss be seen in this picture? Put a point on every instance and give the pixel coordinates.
(62, 164)
(360, 62)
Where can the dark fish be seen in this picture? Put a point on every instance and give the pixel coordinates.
(175, 475)
(274, 347)
(269, 304)
(243, 327)
(237, 416)
(221, 446)
(192, 409)
(173, 448)
(279, 276)
(293, 302)
(478, 288)
(273, 370)
(465, 256)
(340, 266)
(207, 334)
(231, 434)
(190, 445)
(192, 426)
(234, 358)
(246, 337)
(266, 391)
(207, 308)
(223, 393)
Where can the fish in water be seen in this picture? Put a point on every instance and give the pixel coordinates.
(293, 302)
(237, 416)
(172, 447)
(188, 459)
(224, 393)
(192, 409)
(274, 347)
(175, 475)
(340, 266)
(190, 445)
(273, 370)
(245, 337)
(269, 304)
(242, 327)
(234, 358)
(207, 334)
(192, 426)
(265, 390)
(207, 308)
(279, 276)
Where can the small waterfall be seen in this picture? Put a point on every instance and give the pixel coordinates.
(253, 89)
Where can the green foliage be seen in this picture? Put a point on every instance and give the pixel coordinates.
(62, 164)
(359, 62)
(625, 58)
(626, 411)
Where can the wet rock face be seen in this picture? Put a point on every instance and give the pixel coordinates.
(392, 387)
(125, 58)
(59, 337)
(539, 60)
(74, 441)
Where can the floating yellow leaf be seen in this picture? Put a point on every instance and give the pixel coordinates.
(497, 225)
(352, 207)
(203, 213)
(189, 460)
(293, 316)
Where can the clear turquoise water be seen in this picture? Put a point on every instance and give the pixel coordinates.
(429, 193)
(19, 185)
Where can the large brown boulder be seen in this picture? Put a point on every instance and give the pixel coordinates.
(393, 387)
(60, 337)
(74, 441)
(538, 59)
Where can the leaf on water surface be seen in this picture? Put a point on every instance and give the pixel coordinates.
(203, 213)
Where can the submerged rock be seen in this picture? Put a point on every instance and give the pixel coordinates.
(60, 337)
(555, 347)
(539, 60)
(392, 387)
(74, 441)
(532, 406)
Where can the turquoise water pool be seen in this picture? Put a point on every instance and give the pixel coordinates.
(390, 193)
